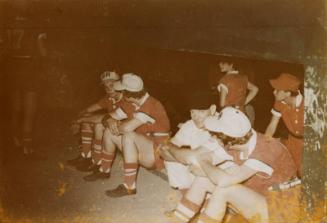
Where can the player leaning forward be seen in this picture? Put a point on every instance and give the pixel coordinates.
(260, 164)
(191, 140)
(90, 126)
(289, 106)
(138, 134)
(263, 163)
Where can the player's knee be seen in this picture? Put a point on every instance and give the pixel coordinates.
(220, 192)
(98, 128)
(107, 135)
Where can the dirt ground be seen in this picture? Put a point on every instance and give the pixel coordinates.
(51, 191)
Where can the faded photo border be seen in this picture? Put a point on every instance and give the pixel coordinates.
(314, 183)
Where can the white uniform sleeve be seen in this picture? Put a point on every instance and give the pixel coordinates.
(118, 114)
(219, 152)
(276, 113)
(259, 166)
(178, 175)
(176, 141)
(182, 137)
(227, 164)
(180, 125)
(143, 117)
(222, 87)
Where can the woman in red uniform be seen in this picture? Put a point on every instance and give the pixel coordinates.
(139, 134)
(259, 164)
(90, 126)
(289, 105)
(235, 89)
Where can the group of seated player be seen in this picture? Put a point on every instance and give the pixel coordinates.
(216, 159)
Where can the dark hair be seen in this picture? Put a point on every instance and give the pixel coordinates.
(229, 61)
(137, 95)
(228, 140)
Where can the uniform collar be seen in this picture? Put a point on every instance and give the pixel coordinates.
(114, 100)
(143, 100)
(233, 72)
(145, 97)
(251, 146)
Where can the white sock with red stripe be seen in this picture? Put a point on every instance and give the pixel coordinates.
(97, 151)
(130, 174)
(106, 161)
(86, 140)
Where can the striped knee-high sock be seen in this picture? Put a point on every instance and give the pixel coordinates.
(186, 210)
(97, 151)
(86, 139)
(130, 174)
(106, 161)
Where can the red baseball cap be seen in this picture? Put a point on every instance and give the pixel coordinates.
(285, 82)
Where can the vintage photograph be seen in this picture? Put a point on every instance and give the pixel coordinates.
(153, 111)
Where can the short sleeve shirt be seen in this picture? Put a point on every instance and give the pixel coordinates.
(124, 110)
(236, 87)
(293, 117)
(153, 114)
(271, 160)
(190, 135)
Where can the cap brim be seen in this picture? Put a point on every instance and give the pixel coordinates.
(213, 124)
(118, 86)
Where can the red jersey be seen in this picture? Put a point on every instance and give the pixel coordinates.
(154, 116)
(272, 161)
(293, 117)
(236, 86)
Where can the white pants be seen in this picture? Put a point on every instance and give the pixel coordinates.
(178, 175)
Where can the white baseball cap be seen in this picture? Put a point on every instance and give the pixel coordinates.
(230, 121)
(130, 82)
(109, 75)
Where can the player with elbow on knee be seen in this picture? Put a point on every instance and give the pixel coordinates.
(137, 135)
